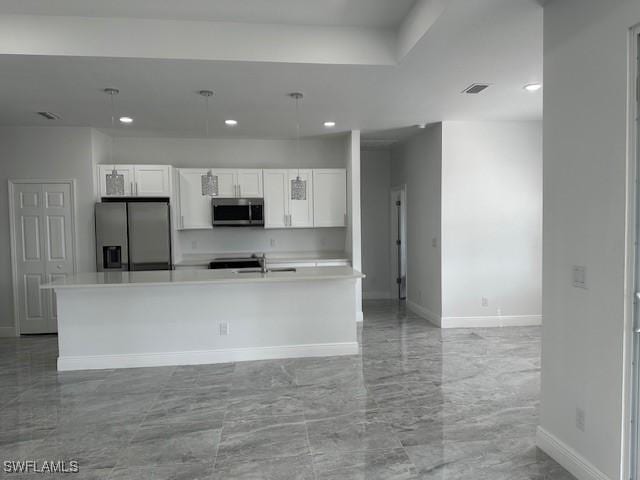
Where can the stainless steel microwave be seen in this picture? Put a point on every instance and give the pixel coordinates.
(238, 212)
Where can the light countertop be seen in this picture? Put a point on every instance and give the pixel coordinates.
(273, 258)
(199, 277)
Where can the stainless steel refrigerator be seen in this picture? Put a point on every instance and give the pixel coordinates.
(133, 235)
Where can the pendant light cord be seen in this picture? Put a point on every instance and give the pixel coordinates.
(113, 122)
(298, 135)
(206, 118)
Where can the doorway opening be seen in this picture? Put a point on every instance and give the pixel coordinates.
(634, 443)
(398, 206)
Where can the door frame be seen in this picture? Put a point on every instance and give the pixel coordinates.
(630, 460)
(402, 190)
(12, 232)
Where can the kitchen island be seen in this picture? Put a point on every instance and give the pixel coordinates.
(139, 319)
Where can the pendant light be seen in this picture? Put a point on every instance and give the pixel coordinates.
(298, 186)
(209, 181)
(114, 181)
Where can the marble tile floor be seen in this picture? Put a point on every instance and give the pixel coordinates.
(417, 403)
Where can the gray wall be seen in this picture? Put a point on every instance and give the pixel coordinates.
(492, 222)
(376, 236)
(45, 153)
(585, 156)
(418, 164)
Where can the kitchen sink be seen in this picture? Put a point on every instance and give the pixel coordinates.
(269, 270)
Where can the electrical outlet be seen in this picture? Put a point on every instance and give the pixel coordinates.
(194, 245)
(434, 242)
(485, 302)
(579, 275)
(272, 242)
(580, 419)
(224, 328)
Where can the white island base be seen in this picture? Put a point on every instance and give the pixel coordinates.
(143, 319)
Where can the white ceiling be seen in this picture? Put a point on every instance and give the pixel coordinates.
(493, 41)
(361, 13)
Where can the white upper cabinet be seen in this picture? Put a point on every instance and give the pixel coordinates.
(330, 197)
(139, 180)
(276, 204)
(301, 211)
(280, 210)
(194, 208)
(243, 182)
(249, 183)
(152, 180)
(125, 170)
(227, 182)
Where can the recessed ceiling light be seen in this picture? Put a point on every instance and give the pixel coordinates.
(329, 124)
(231, 123)
(533, 87)
(422, 125)
(126, 120)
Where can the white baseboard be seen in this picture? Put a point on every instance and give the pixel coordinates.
(359, 317)
(98, 362)
(377, 296)
(494, 321)
(566, 456)
(425, 313)
(7, 332)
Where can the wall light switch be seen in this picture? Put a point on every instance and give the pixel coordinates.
(579, 276)
(224, 328)
(272, 242)
(580, 419)
(485, 302)
(434, 242)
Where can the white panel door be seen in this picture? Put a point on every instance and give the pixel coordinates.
(227, 182)
(44, 250)
(152, 180)
(249, 183)
(276, 201)
(125, 170)
(195, 208)
(301, 211)
(330, 197)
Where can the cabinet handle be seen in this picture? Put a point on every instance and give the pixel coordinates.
(239, 191)
(345, 219)
(182, 221)
(132, 189)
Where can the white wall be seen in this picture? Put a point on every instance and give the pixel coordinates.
(585, 125)
(491, 222)
(418, 164)
(376, 184)
(229, 153)
(45, 153)
(241, 153)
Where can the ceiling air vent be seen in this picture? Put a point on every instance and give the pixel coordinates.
(49, 115)
(476, 88)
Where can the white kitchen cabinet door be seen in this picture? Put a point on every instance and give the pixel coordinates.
(195, 208)
(227, 186)
(152, 181)
(276, 203)
(125, 170)
(330, 197)
(249, 182)
(301, 211)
